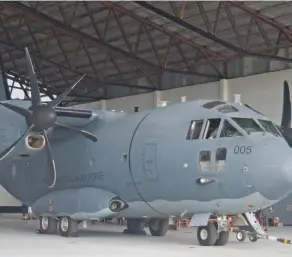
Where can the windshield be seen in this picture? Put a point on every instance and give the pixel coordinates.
(270, 127)
(248, 124)
(212, 104)
(227, 109)
(229, 131)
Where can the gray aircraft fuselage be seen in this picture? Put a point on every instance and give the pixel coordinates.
(145, 159)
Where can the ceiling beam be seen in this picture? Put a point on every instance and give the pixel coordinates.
(68, 30)
(178, 37)
(258, 15)
(60, 66)
(205, 34)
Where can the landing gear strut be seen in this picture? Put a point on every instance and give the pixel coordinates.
(135, 226)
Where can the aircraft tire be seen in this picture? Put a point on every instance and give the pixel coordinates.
(158, 227)
(253, 238)
(207, 235)
(68, 227)
(223, 238)
(241, 236)
(48, 225)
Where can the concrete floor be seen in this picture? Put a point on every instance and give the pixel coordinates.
(18, 238)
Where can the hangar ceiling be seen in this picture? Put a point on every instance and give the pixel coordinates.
(135, 47)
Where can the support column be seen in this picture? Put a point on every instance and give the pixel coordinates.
(103, 105)
(156, 99)
(224, 90)
(4, 90)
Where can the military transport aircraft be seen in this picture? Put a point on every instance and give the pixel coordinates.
(201, 159)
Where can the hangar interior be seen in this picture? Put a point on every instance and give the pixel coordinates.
(144, 53)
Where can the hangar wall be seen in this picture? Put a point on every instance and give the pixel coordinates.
(7, 202)
(264, 92)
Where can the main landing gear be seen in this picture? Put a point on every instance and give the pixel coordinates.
(157, 227)
(67, 226)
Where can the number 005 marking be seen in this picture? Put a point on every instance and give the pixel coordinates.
(242, 149)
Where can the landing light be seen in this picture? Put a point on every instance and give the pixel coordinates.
(203, 181)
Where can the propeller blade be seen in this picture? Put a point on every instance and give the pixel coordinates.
(63, 95)
(35, 92)
(22, 111)
(51, 161)
(286, 112)
(81, 131)
(11, 147)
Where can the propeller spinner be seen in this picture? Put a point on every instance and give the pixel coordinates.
(40, 117)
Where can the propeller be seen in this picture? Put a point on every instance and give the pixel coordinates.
(285, 127)
(286, 115)
(40, 117)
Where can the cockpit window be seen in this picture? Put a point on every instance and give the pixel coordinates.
(227, 109)
(229, 131)
(270, 127)
(195, 129)
(212, 104)
(248, 124)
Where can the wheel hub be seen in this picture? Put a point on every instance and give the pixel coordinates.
(64, 224)
(45, 223)
(204, 234)
(239, 235)
(155, 226)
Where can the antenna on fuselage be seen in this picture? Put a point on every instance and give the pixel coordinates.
(162, 103)
(136, 108)
(183, 99)
(237, 99)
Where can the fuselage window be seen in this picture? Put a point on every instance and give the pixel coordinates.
(211, 129)
(212, 104)
(248, 124)
(221, 154)
(227, 109)
(270, 127)
(205, 161)
(229, 131)
(195, 129)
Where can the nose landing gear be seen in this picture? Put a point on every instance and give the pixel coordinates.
(212, 234)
